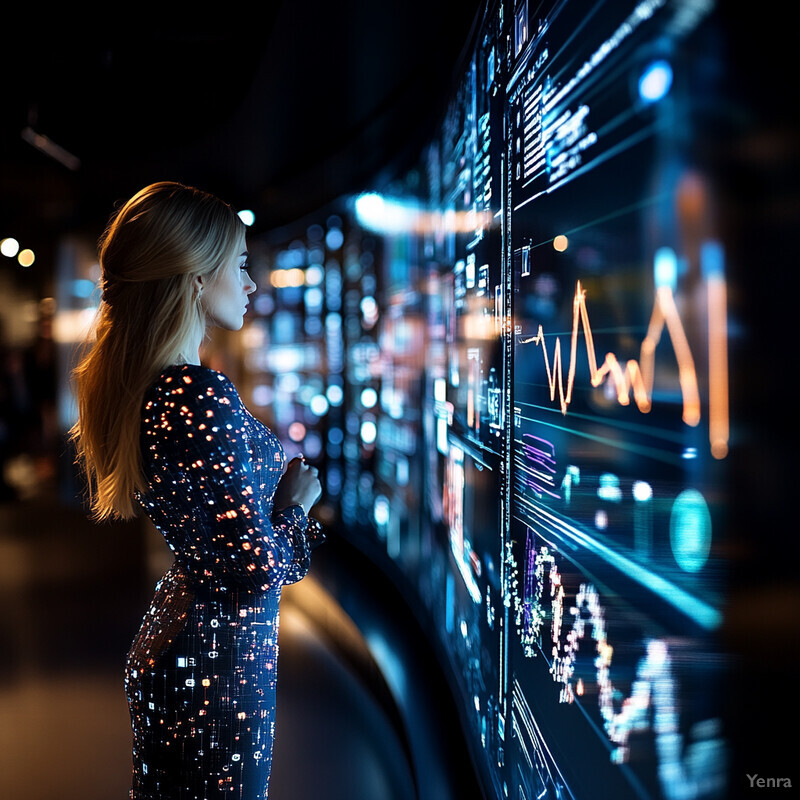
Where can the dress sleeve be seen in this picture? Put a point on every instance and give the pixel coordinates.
(313, 536)
(205, 491)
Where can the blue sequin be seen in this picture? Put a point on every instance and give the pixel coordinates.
(201, 674)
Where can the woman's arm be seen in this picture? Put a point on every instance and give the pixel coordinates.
(298, 490)
(220, 526)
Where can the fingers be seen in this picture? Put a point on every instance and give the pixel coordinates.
(299, 462)
(306, 474)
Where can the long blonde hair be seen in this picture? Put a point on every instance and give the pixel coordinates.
(151, 253)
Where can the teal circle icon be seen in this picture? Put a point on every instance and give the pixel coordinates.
(690, 530)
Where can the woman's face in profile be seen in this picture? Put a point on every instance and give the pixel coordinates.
(225, 298)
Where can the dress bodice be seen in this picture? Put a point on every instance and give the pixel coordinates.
(212, 470)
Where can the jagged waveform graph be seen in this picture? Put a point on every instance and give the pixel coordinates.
(637, 376)
(691, 759)
(687, 770)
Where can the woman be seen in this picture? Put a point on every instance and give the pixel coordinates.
(158, 430)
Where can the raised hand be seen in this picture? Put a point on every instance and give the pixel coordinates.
(299, 486)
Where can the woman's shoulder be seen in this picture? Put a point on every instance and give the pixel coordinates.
(191, 381)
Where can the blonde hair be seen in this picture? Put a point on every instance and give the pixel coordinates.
(151, 254)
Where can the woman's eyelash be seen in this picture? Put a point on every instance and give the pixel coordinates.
(245, 266)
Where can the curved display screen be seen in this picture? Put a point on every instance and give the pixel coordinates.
(523, 368)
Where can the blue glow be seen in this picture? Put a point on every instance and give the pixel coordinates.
(293, 257)
(655, 81)
(369, 397)
(264, 304)
(609, 488)
(391, 666)
(334, 239)
(369, 432)
(335, 395)
(369, 207)
(712, 260)
(384, 214)
(248, 217)
(690, 530)
(287, 381)
(313, 300)
(368, 306)
(701, 612)
(666, 268)
(319, 405)
(381, 510)
(83, 287)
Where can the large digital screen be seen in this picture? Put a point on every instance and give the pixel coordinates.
(523, 394)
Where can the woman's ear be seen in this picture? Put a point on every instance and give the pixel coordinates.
(198, 285)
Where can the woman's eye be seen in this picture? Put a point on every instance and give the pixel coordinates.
(244, 267)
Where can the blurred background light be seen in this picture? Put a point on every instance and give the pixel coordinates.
(312, 445)
(315, 274)
(9, 247)
(247, 217)
(287, 278)
(319, 405)
(383, 214)
(690, 530)
(369, 397)
(369, 431)
(655, 81)
(666, 268)
(334, 239)
(288, 382)
(369, 308)
(314, 299)
(297, 431)
(262, 395)
(335, 395)
(382, 510)
(83, 287)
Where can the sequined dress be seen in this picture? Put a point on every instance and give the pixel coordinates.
(201, 673)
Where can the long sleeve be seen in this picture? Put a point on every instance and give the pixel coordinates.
(212, 471)
(292, 518)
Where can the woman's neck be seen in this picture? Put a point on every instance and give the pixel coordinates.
(191, 354)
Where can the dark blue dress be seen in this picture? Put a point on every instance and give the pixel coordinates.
(200, 676)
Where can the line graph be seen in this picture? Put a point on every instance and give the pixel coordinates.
(688, 764)
(635, 377)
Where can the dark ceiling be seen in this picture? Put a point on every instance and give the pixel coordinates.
(289, 107)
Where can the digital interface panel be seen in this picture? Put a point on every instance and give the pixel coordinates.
(523, 395)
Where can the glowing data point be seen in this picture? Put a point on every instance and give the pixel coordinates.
(690, 530)
(655, 82)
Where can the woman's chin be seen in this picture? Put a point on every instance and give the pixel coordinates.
(231, 324)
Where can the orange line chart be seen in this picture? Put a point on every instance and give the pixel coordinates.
(635, 377)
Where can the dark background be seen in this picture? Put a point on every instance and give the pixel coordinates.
(283, 107)
(280, 107)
